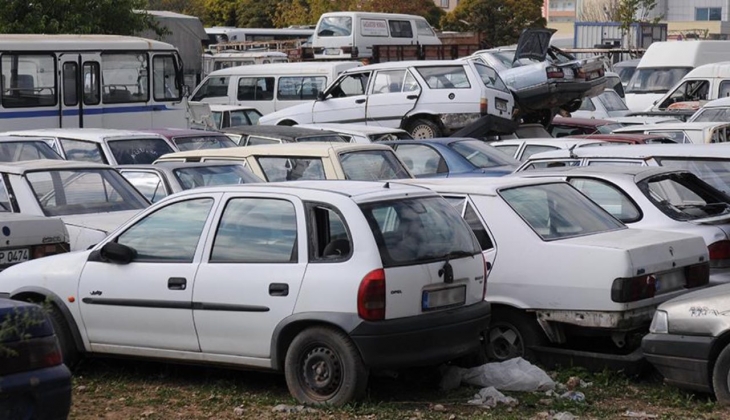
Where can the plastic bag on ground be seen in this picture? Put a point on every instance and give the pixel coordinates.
(490, 397)
(512, 375)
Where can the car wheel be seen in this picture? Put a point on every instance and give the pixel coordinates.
(721, 377)
(424, 129)
(323, 366)
(573, 105)
(511, 334)
(71, 354)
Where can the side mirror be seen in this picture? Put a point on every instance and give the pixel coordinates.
(117, 253)
(320, 96)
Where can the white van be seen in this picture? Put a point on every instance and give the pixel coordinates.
(269, 87)
(345, 35)
(664, 64)
(705, 83)
(224, 60)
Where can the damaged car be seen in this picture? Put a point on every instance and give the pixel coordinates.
(543, 78)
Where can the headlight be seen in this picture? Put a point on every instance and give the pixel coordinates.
(660, 323)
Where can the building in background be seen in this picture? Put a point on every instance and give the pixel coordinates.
(560, 10)
(447, 5)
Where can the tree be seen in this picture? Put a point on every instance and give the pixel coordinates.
(599, 11)
(425, 8)
(631, 11)
(499, 21)
(255, 13)
(75, 17)
(307, 12)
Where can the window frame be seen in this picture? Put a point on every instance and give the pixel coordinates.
(257, 79)
(616, 188)
(312, 244)
(55, 79)
(301, 83)
(400, 25)
(93, 65)
(154, 83)
(125, 52)
(209, 78)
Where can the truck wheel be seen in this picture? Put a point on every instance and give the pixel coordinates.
(721, 377)
(511, 334)
(323, 367)
(424, 129)
(71, 354)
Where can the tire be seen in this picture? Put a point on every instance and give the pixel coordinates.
(424, 129)
(71, 354)
(287, 123)
(511, 334)
(721, 377)
(340, 375)
(573, 106)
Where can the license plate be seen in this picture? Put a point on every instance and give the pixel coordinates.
(14, 256)
(668, 282)
(501, 105)
(332, 51)
(443, 298)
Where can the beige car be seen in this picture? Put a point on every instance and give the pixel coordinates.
(295, 161)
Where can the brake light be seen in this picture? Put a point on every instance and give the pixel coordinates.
(555, 73)
(40, 251)
(484, 106)
(633, 288)
(719, 254)
(371, 296)
(697, 275)
(353, 51)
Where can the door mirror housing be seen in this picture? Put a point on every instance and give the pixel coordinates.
(320, 96)
(115, 253)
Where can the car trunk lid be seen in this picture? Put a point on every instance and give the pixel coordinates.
(533, 44)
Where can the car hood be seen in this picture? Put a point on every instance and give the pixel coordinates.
(704, 312)
(104, 222)
(275, 117)
(534, 44)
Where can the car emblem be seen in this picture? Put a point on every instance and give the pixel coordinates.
(671, 251)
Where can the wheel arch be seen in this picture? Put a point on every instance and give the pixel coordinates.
(718, 345)
(408, 119)
(40, 295)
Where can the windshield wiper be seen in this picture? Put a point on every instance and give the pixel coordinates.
(449, 256)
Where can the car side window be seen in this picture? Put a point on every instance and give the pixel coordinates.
(724, 90)
(350, 85)
(291, 169)
(600, 162)
(256, 140)
(551, 164)
(329, 238)
(609, 197)
(421, 160)
(508, 149)
(388, 81)
(566, 130)
(476, 225)
(587, 105)
(256, 230)
(170, 234)
(148, 183)
(532, 149)
(213, 87)
(84, 151)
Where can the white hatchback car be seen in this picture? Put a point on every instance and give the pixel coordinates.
(563, 269)
(322, 280)
(426, 98)
(522, 149)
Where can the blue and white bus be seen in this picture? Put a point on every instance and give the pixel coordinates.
(95, 81)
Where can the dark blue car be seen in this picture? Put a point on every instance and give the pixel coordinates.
(452, 157)
(34, 382)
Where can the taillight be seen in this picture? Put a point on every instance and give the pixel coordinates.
(484, 106)
(353, 51)
(697, 275)
(40, 251)
(555, 73)
(580, 74)
(31, 354)
(633, 288)
(371, 296)
(719, 254)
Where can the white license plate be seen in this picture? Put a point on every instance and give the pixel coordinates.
(668, 282)
(14, 256)
(332, 51)
(500, 104)
(443, 298)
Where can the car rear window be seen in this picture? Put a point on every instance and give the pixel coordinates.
(608, 128)
(203, 142)
(291, 168)
(372, 165)
(558, 211)
(138, 151)
(481, 154)
(206, 176)
(325, 138)
(682, 196)
(418, 231)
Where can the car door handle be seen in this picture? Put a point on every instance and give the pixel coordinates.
(177, 283)
(360, 101)
(412, 97)
(279, 289)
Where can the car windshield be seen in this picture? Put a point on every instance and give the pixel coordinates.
(335, 26)
(625, 73)
(327, 138)
(481, 154)
(205, 176)
(372, 165)
(712, 115)
(16, 151)
(715, 172)
(83, 191)
(138, 151)
(683, 196)
(559, 211)
(608, 128)
(418, 230)
(203, 142)
(656, 80)
(612, 101)
(282, 168)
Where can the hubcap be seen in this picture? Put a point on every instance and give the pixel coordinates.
(322, 372)
(422, 132)
(505, 343)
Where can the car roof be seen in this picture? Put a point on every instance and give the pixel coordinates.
(8, 138)
(583, 122)
(563, 142)
(353, 128)
(181, 132)
(19, 168)
(284, 68)
(437, 140)
(279, 131)
(718, 103)
(477, 186)
(670, 126)
(642, 151)
(635, 172)
(287, 149)
(89, 134)
(408, 63)
(619, 136)
(175, 165)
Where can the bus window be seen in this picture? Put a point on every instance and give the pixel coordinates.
(124, 78)
(91, 83)
(163, 81)
(70, 87)
(28, 80)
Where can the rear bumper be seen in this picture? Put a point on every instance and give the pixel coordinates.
(682, 360)
(40, 394)
(422, 340)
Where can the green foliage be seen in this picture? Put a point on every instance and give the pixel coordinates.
(307, 12)
(499, 21)
(15, 325)
(630, 11)
(75, 17)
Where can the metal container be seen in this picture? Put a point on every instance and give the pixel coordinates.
(609, 35)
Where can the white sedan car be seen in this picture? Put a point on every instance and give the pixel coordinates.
(563, 269)
(522, 149)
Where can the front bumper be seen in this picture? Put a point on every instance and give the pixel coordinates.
(683, 360)
(43, 394)
(422, 340)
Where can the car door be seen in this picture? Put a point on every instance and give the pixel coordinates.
(344, 101)
(393, 94)
(148, 302)
(251, 274)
